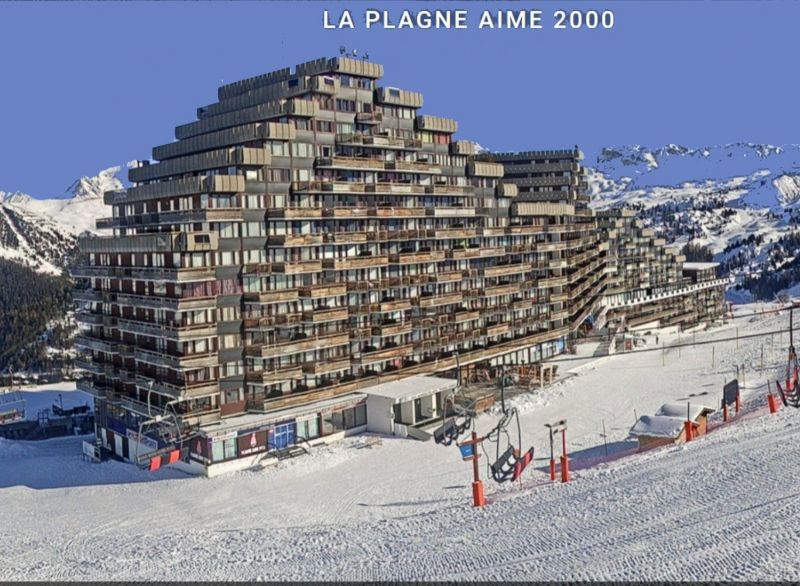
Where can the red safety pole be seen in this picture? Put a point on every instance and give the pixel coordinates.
(478, 499)
(724, 411)
(773, 406)
(738, 403)
(564, 458)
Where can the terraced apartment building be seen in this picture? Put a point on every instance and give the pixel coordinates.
(554, 180)
(649, 283)
(311, 235)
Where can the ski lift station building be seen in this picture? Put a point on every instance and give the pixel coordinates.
(393, 408)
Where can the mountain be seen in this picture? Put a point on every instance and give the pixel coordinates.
(741, 200)
(41, 233)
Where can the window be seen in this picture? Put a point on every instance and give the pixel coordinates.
(394, 93)
(308, 429)
(223, 449)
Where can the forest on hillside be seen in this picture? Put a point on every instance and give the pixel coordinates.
(33, 307)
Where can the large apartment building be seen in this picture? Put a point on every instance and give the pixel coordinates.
(650, 284)
(311, 235)
(553, 181)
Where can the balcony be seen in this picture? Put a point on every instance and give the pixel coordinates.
(278, 375)
(446, 277)
(304, 345)
(328, 186)
(178, 362)
(356, 163)
(326, 366)
(289, 240)
(96, 344)
(89, 366)
(325, 315)
(355, 262)
(369, 117)
(276, 296)
(453, 233)
(347, 237)
(178, 391)
(449, 190)
(398, 212)
(414, 167)
(295, 213)
(503, 270)
(461, 317)
(396, 305)
(168, 331)
(346, 212)
(501, 290)
(386, 330)
(323, 290)
(94, 319)
(395, 188)
(417, 257)
(297, 267)
(496, 330)
(437, 300)
(382, 354)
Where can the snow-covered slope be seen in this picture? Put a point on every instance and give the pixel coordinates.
(41, 233)
(739, 199)
(724, 507)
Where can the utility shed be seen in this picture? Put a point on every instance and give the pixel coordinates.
(667, 426)
(406, 402)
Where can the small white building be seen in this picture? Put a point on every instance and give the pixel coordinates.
(393, 407)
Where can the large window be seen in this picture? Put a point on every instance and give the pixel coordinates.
(223, 449)
(308, 429)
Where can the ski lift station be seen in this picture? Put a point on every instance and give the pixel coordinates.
(238, 442)
(394, 408)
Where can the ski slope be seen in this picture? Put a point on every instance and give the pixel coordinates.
(726, 506)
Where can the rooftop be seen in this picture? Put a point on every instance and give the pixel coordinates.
(699, 266)
(411, 388)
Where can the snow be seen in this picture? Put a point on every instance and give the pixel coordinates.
(42, 398)
(411, 388)
(658, 426)
(401, 510)
(692, 410)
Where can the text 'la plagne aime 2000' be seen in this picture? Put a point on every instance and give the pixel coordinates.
(462, 19)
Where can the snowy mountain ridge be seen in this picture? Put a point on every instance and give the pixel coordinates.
(42, 233)
(740, 199)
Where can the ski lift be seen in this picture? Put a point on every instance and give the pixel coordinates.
(167, 427)
(453, 428)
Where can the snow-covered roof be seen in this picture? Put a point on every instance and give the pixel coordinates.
(411, 388)
(658, 426)
(699, 266)
(694, 410)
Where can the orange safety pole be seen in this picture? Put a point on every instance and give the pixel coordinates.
(478, 499)
(687, 425)
(724, 411)
(738, 403)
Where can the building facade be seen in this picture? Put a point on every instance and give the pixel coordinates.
(650, 284)
(309, 235)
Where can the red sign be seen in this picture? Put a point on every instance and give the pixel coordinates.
(252, 442)
(198, 449)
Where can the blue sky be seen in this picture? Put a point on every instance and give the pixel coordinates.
(90, 85)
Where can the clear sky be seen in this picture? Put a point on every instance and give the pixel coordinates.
(85, 86)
